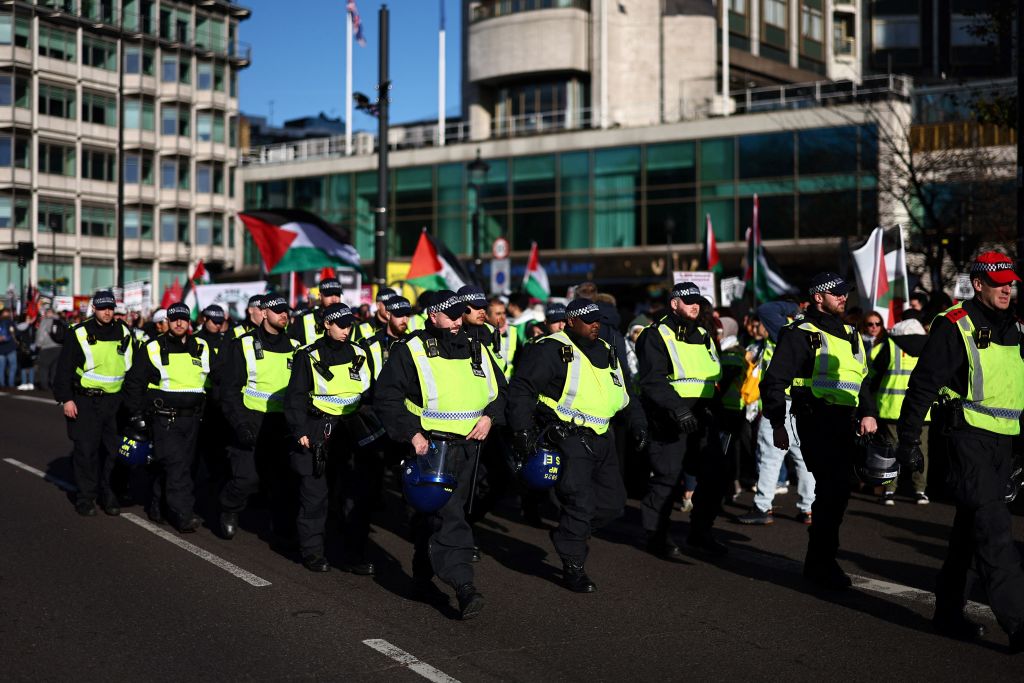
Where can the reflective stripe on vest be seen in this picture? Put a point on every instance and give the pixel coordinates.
(341, 394)
(695, 367)
(267, 378)
(839, 372)
(181, 375)
(895, 382)
(995, 383)
(103, 367)
(457, 407)
(417, 321)
(309, 327)
(590, 396)
(377, 354)
(364, 331)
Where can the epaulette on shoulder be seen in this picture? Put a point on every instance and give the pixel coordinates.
(955, 315)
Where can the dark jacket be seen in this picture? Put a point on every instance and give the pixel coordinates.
(231, 374)
(71, 357)
(775, 315)
(137, 394)
(398, 381)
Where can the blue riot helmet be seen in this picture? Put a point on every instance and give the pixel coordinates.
(878, 466)
(542, 469)
(429, 480)
(136, 445)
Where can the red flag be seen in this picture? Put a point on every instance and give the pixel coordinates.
(271, 241)
(710, 257)
(297, 291)
(172, 294)
(201, 276)
(882, 281)
(327, 272)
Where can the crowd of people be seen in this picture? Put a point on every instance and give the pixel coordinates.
(472, 399)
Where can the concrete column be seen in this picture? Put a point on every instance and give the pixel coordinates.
(794, 33)
(754, 10)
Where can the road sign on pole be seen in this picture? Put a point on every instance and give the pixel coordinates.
(501, 276)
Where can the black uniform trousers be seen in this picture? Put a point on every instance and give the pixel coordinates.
(980, 466)
(700, 454)
(263, 463)
(590, 490)
(174, 448)
(827, 441)
(210, 466)
(443, 540)
(96, 443)
(494, 478)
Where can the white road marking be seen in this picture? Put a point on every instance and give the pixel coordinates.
(410, 662)
(40, 399)
(43, 475)
(230, 568)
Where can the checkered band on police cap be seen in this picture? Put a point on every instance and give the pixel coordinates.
(103, 299)
(339, 314)
(399, 305)
(330, 286)
(274, 303)
(178, 311)
(214, 313)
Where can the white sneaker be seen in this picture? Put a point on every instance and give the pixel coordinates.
(22, 387)
(781, 490)
(921, 498)
(888, 499)
(31, 387)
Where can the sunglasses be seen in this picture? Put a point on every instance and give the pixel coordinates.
(872, 324)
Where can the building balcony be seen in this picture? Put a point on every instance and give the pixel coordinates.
(528, 43)
(49, 65)
(181, 92)
(211, 99)
(136, 83)
(175, 144)
(57, 183)
(15, 177)
(211, 202)
(139, 249)
(135, 139)
(56, 124)
(15, 115)
(139, 193)
(97, 189)
(205, 150)
(15, 56)
(97, 133)
(93, 75)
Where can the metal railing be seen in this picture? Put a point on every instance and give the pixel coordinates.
(821, 93)
(489, 9)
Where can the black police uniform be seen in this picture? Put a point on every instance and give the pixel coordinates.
(95, 431)
(214, 431)
(980, 466)
(444, 539)
(672, 450)
(826, 433)
(297, 328)
(352, 463)
(174, 418)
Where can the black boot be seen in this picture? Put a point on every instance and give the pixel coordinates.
(154, 513)
(316, 563)
(228, 525)
(110, 505)
(576, 579)
(661, 546)
(955, 624)
(190, 524)
(359, 566)
(85, 507)
(471, 603)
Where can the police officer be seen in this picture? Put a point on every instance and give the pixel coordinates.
(213, 430)
(254, 374)
(554, 317)
(329, 380)
(508, 339)
(90, 373)
(379, 345)
(474, 322)
(165, 389)
(380, 315)
(308, 327)
(571, 389)
(973, 356)
(824, 362)
(678, 370)
(439, 385)
(253, 319)
(213, 323)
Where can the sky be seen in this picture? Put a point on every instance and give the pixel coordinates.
(298, 59)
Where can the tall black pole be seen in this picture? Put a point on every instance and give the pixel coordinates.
(478, 264)
(1020, 156)
(120, 165)
(380, 243)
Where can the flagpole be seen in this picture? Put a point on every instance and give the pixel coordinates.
(755, 238)
(348, 83)
(441, 81)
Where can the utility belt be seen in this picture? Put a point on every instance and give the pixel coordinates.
(951, 413)
(447, 437)
(82, 391)
(805, 403)
(174, 413)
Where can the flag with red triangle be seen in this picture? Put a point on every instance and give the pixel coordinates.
(709, 258)
(535, 280)
(291, 239)
(172, 294)
(434, 267)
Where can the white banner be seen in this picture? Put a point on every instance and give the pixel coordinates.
(963, 289)
(704, 279)
(733, 289)
(64, 304)
(232, 297)
(351, 286)
(137, 295)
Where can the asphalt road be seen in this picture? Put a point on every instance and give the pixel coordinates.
(105, 598)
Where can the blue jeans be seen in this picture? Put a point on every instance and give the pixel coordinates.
(8, 368)
(28, 375)
(769, 462)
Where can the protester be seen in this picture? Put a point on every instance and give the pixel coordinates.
(8, 349)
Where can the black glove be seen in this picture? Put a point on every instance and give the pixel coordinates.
(524, 442)
(780, 437)
(246, 435)
(640, 439)
(685, 420)
(909, 456)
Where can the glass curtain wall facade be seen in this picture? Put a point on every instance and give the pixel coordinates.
(812, 183)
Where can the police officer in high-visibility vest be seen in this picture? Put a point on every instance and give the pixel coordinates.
(308, 327)
(379, 345)
(165, 389)
(974, 358)
(329, 381)
(214, 430)
(571, 389)
(253, 376)
(253, 317)
(508, 338)
(96, 356)
(212, 322)
(824, 361)
(439, 386)
(380, 316)
(679, 369)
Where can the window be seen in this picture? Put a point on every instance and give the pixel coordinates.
(616, 197)
(174, 173)
(56, 44)
(738, 6)
(827, 150)
(218, 77)
(204, 178)
(138, 222)
(168, 226)
(765, 156)
(233, 131)
(99, 53)
(99, 109)
(56, 101)
(896, 32)
(15, 90)
(15, 150)
(209, 33)
(175, 120)
(56, 159)
(139, 114)
(56, 217)
(98, 10)
(218, 229)
(183, 228)
(176, 69)
(775, 13)
(98, 221)
(138, 168)
(204, 76)
(17, 31)
(218, 127)
(139, 60)
(204, 126)
(98, 165)
(14, 213)
(231, 182)
(812, 25)
(175, 24)
(204, 229)
(138, 15)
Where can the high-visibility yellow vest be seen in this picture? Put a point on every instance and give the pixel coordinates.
(695, 367)
(105, 362)
(343, 392)
(239, 330)
(267, 377)
(183, 373)
(310, 329)
(732, 397)
(839, 367)
(591, 396)
(417, 321)
(894, 384)
(453, 393)
(995, 380)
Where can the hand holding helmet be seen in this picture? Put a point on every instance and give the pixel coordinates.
(909, 455)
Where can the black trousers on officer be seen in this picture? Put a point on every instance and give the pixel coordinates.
(263, 463)
(827, 441)
(443, 540)
(96, 443)
(590, 490)
(980, 466)
(210, 467)
(174, 447)
(700, 454)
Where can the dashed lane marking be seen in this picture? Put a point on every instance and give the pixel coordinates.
(410, 662)
(216, 561)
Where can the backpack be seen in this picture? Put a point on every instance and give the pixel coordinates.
(58, 331)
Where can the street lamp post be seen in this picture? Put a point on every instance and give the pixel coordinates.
(478, 169)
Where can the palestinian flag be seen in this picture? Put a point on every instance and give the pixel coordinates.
(535, 280)
(434, 267)
(200, 276)
(881, 267)
(709, 258)
(289, 240)
(762, 277)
